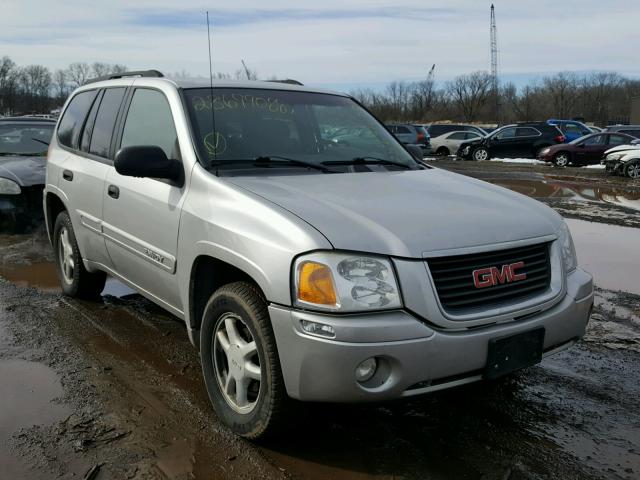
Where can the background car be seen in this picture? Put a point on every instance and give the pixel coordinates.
(512, 141)
(571, 129)
(633, 130)
(438, 129)
(450, 142)
(411, 134)
(623, 160)
(23, 146)
(587, 150)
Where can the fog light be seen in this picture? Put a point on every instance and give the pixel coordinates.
(366, 369)
(319, 329)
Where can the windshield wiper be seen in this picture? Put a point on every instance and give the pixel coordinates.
(368, 161)
(40, 141)
(271, 160)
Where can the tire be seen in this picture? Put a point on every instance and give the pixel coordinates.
(258, 411)
(561, 159)
(632, 170)
(480, 154)
(443, 152)
(75, 280)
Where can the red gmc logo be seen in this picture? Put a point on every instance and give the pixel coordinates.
(490, 276)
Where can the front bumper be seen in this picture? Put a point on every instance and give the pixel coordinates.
(613, 166)
(414, 357)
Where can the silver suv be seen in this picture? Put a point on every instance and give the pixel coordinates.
(303, 267)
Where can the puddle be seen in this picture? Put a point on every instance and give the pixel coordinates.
(40, 275)
(43, 276)
(549, 188)
(26, 396)
(609, 253)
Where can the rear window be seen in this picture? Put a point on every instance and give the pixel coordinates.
(73, 118)
(105, 121)
(633, 133)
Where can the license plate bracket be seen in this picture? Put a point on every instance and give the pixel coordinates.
(514, 352)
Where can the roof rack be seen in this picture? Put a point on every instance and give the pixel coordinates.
(137, 73)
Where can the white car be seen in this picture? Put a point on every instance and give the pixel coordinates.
(448, 143)
(623, 160)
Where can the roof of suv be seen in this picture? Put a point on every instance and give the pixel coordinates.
(150, 77)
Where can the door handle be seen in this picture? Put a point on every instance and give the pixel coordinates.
(113, 191)
(67, 175)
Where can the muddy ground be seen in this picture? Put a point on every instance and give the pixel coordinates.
(114, 387)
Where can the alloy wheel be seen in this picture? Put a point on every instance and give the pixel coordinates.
(65, 255)
(236, 363)
(480, 155)
(562, 160)
(633, 171)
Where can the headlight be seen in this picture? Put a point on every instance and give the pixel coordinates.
(345, 282)
(544, 151)
(615, 156)
(9, 187)
(567, 248)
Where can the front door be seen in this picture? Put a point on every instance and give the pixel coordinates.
(141, 215)
(591, 150)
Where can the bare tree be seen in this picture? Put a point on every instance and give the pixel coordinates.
(78, 73)
(470, 93)
(60, 84)
(562, 90)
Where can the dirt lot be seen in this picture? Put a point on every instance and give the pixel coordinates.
(115, 387)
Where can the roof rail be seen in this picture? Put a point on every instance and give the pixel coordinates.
(137, 73)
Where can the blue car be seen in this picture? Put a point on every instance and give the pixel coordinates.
(571, 129)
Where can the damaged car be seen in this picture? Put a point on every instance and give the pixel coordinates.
(23, 149)
(623, 160)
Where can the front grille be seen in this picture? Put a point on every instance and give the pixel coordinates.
(453, 277)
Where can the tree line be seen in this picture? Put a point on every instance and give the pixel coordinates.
(602, 98)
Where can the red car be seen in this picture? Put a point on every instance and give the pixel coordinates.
(587, 150)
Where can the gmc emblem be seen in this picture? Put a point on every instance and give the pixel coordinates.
(491, 276)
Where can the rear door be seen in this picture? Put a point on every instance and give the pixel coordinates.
(591, 150)
(82, 178)
(141, 215)
(527, 137)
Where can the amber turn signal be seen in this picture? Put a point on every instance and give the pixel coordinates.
(315, 284)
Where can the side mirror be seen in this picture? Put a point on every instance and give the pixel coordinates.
(147, 161)
(415, 151)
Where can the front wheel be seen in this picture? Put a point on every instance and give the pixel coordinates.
(480, 154)
(443, 152)
(240, 361)
(632, 170)
(75, 280)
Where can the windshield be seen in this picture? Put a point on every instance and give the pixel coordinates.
(314, 128)
(25, 139)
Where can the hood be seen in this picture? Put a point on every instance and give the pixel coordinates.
(25, 171)
(405, 213)
(475, 141)
(622, 148)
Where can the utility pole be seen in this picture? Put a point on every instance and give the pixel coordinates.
(246, 70)
(494, 62)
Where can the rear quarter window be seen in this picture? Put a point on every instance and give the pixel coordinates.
(105, 121)
(73, 118)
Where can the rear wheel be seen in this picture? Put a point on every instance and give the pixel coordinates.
(561, 159)
(443, 152)
(75, 280)
(632, 170)
(480, 154)
(240, 361)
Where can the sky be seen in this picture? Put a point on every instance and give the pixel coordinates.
(337, 44)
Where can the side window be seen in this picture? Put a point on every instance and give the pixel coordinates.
(572, 128)
(149, 122)
(105, 121)
(73, 118)
(403, 130)
(595, 141)
(618, 140)
(472, 135)
(392, 129)
(458, 136)
(88, 124)
(506, 133)
(526, 132)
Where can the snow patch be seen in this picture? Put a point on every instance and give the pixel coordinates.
(518, 160)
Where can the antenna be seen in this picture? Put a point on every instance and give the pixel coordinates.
(493, 34)
(246, 70)
(213, 117)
